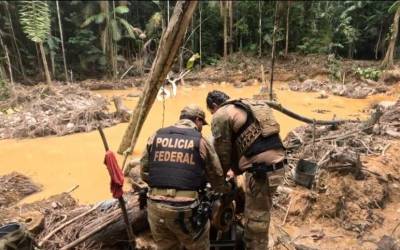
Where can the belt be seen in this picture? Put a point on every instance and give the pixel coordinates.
(171, 192)
(176, 203)
(264, 168)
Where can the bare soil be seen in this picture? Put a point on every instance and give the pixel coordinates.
(350, 214)
(354, 201)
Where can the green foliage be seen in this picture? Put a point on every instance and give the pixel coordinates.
(212, 60)
(368, 73)
(154, 24)
(35, 19)
(87, 56)
(114, 25)
(313, 45)
(334, 67)
(242, 27)
(4, 90)
(394, 7)
(96, 39)
(192, 60)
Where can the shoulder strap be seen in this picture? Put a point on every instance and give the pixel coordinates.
(250, 117)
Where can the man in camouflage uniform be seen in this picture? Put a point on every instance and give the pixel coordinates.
(177, 163)
(246, 139)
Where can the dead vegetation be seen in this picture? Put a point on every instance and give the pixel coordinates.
(14, 187)
(347, 192)
(58, 221)
(354, 89)
(42, 111)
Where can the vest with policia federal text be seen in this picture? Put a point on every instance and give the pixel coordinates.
(175, 161)
(260, 131)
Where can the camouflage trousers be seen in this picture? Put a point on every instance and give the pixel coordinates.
(258, 204)
(168, 233)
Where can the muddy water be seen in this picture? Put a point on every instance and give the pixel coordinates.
(60, 163)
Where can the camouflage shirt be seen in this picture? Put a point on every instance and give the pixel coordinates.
(213, 167)
(225, 122)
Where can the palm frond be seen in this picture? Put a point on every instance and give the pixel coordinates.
(35, 19)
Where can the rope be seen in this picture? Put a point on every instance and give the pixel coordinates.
(163, 102)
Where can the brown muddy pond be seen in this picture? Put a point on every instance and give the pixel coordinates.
(60, 163)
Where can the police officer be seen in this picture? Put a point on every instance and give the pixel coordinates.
(246, 139)
(176, 165)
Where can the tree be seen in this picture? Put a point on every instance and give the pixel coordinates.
(111, 33)
(287, 29)
(273, 50)
(259, 28)
(11, 87)
(15, 40)
(224, 14)
(62, 41)
(200, 32)
(167, 51)
(388, 60)
(230, 12)
(35, 21)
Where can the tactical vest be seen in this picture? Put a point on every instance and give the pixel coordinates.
(260, 131)
(175, 161)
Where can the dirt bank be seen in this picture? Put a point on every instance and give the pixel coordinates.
(351, 213)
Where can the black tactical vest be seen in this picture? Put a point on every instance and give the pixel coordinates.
(175, 161)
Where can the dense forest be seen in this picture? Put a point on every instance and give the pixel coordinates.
(76, 40)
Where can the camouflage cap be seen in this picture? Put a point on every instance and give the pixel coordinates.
(194, 111)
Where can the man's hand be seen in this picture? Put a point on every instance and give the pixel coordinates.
(230, 174)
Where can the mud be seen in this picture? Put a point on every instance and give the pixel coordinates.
(351, 204)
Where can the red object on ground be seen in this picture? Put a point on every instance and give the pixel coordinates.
(117, 177)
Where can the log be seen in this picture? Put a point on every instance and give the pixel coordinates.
(170, 43)
(48, 236)
(110, 228)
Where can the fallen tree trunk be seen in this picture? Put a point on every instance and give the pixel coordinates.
(107, 228)
(277, 106)
(170, 43)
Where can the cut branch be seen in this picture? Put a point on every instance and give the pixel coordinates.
(277, 106)
(170, 43)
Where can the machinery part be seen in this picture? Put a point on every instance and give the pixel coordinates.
(223, 215)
